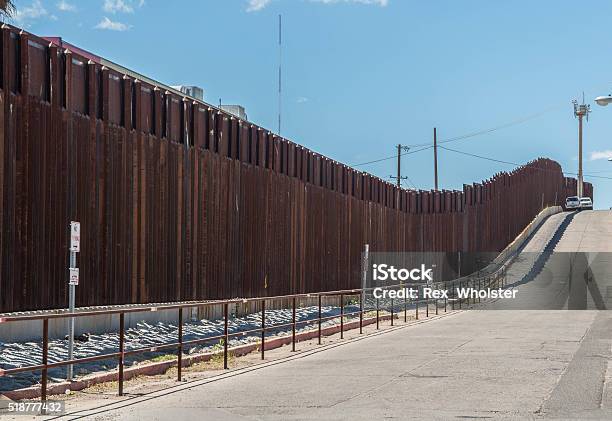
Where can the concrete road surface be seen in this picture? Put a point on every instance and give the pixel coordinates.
(473, 364)
(470, 364)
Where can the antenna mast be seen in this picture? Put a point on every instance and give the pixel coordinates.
(580, 111)
(280, 58)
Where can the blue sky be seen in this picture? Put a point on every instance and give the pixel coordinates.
(361, 76)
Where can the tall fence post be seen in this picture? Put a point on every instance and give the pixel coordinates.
(225, 333)
(391, 311)
(180, 345)
(121, 350)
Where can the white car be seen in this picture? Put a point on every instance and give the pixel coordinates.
(586, 203)
(572, 202)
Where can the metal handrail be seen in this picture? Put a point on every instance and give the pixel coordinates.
(342, 294)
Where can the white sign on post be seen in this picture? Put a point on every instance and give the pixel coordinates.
(74, 276)
(75, 237)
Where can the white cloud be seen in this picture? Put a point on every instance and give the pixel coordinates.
(257, 5)
(26, 14)
(595, 155)
(301, 100)
(106, 23)
(381, 3)
(121, 6)
(64, 6)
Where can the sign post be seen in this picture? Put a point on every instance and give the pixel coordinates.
(73, 281)
(364, 273)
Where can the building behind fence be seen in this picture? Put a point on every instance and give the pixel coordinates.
(178, 200)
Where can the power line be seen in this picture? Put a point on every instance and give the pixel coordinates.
(495, 128)
(390, 157)
(426, 146)
(514, 163)
(408, 180)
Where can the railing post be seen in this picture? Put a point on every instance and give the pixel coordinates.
(121, 350)
(180, 345)
(225, 333)
(293, 328)
(263, 328)
(445, 298)
(319, 333)
(405, 307)
(454, 295)
(341, 316)
(45, 360)
(427, 308)
(436, 301)
(460, 297)
(377, 311)
(391, 311)
(361, 312)
(416, 307)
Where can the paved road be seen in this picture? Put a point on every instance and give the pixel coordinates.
(566, 265)
(471, 364)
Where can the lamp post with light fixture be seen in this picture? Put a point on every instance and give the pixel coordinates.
(580, 111)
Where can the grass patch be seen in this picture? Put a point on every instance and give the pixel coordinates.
(165, 357)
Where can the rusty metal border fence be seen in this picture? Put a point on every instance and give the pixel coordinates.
(496, 279)
(179, 200)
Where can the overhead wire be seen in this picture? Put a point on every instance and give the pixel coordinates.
(514, 163)
(428, 145)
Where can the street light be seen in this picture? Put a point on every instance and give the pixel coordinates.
(603, 100)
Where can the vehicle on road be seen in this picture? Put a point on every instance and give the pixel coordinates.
(586, 203)
(572, 202)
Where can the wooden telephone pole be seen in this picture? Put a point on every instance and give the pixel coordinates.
(435, 148)
(398, 178)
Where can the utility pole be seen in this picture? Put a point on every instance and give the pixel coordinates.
(435, 148)
(580, 111)
(398, 178)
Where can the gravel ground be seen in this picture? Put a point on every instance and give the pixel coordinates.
(22, 354)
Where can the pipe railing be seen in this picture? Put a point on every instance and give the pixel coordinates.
(496, 278)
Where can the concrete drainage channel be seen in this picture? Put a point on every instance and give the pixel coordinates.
(149, 349)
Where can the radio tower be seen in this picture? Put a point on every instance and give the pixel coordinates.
(580, 111)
